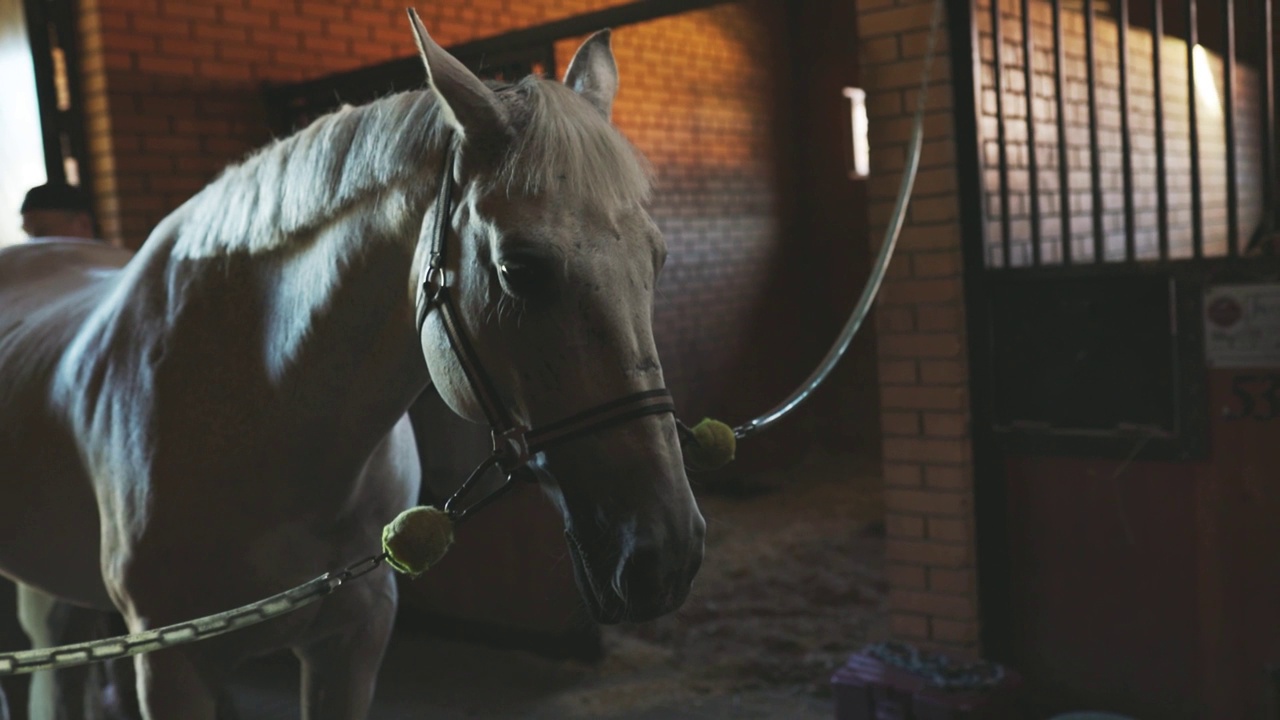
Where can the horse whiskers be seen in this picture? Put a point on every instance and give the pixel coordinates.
(507, 307)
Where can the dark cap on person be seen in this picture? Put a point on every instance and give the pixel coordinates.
(55, 196)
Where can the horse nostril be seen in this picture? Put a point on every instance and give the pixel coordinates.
(643, 572)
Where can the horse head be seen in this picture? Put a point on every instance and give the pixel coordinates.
(552, 262)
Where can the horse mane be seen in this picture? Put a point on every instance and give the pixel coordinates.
(296, 185)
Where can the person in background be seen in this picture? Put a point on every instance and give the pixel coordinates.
(57, 210)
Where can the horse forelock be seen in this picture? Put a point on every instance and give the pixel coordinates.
(565, 146)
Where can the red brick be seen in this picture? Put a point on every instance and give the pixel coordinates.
(298, 23)
(953, 631)
(915, 43)
(374, 18)
(251, 16)
(922, 398)
(945, 425)
(166, 65)
(187, 48)
(115, 60)
(927, 502)
(892, 21)
(275, 39)
(903, 475)
(898, 372)
(948, 530)
(919, 345)
(940, 318)
(246, 54)
(192, 10)
(956, 582)
(879, 50)
(896, 319)
(161, 26)
(957, 607)
(325, 43)
(936, 264)
(223, 69)
(347, 30)
(134, 43)
(942, 372)
(906, 577)
(934, 209)
(921, 291)
(944, 477)
(906, 626)
(333, 12)
(906, 74)
(917, 237)
(904, 526)
(936, 181)
(900, 423)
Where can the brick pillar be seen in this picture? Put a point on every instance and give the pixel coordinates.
(930, 558)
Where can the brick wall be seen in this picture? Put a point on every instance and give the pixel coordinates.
(171, 86)
(173, 96)
(930, 559)
(1211, 136)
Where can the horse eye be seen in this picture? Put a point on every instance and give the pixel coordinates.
(526, 278)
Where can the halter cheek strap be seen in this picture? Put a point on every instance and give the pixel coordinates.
(514, 444)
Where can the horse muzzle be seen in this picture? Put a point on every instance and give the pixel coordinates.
(642, 582)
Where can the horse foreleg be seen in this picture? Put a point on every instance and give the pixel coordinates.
(340, 670)
(74, 693)
(171, 685)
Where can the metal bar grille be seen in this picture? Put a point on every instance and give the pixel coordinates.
(1064, 169)
(1268, 108)
(1033, 169)
(1095, 157)
(1002, 149)
(1193, 135)
(1162, 166)
(1178, 159)
(1229, 117)
(1126, 141)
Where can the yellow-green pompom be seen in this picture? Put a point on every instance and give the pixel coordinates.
(712, 447)
(417, 539)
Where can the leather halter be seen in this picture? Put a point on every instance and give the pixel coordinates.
(514, 444)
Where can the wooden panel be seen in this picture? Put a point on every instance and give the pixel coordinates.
(1239, 508)
(1154, 588)
(1104, 584)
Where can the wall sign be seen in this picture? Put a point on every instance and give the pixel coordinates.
(1242, 326)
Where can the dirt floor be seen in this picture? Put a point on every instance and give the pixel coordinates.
(792, 583)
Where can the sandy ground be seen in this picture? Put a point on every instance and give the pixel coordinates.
(792, 583)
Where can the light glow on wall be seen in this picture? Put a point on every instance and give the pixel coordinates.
(860, 155)
(1206, 87)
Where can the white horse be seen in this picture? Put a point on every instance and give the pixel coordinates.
(222, 415)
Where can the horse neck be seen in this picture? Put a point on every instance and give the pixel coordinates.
(340, 315)
(322, 319)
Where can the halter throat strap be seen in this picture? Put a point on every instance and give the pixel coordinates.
(514, 444)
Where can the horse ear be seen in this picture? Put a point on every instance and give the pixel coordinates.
(593, 74)
(474, 109)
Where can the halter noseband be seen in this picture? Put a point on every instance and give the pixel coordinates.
(514, 445)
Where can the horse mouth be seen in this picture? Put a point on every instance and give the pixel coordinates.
(605, 606)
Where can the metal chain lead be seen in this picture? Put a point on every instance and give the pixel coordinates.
(28, 661)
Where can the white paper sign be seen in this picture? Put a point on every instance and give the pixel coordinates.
(1242, 326)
